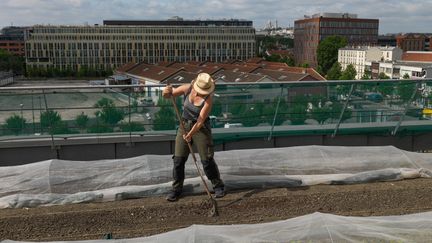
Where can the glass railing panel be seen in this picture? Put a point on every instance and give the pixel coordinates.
(256, 107)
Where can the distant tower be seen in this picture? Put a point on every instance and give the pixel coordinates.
(269, 25)
(276, 24)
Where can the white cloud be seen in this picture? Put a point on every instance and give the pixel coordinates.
(394, 16)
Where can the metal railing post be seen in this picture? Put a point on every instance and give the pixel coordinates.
(405, 110)
(343, 110)
(275, 114)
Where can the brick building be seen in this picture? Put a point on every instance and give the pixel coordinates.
(411, 42)
(417, 56)
(12, 40)
(310, 31)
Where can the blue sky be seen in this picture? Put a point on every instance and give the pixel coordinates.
(395, 15)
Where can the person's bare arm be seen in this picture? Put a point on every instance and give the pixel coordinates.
(169, 90)
(205, 111)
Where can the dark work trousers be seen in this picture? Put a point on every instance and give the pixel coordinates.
(203, 142)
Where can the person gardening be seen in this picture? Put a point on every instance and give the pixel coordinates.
(198, 101)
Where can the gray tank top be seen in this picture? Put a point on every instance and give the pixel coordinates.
(190, 111)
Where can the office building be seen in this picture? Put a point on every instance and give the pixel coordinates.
(119, 42)
(12, 40)
(310, 31)
(411, 42)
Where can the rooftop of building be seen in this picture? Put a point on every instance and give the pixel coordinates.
(172, 72)
(417, 56)
(334, 16)
(365, 48)
(227, 76)
(414, 64)
(178, 21)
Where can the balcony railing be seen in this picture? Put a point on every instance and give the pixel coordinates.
(61, 112)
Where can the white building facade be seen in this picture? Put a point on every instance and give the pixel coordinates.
(362, 56)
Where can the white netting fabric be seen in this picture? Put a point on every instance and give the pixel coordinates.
(62, 182)
(316, 227)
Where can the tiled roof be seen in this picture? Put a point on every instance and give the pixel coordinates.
(255, 60)
(244, 68)
(281, 75)
(417, 56)
(226, 76)
(312, 72)
(164, 63)
(239, 72)
(157, 73)
(126, 67)
(180, 78)
(195, 68)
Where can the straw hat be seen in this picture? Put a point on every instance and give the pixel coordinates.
(204, 84)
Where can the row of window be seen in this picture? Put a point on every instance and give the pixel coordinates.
(140, 37)
(348, 31)
(109, 53)
(119, 61)
(348, 24)
(136, 46)
(142, 30)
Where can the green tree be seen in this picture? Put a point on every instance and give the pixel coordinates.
(297, 114)
(132, 127)
(289, 61)
(81, 121)
(297, 110)
(367, 75)
(335, 72)
(385, 88)
(109, 113)
(273, 58)
(383, 76)
(100, 127)
(406, 76)
(304, 65)
(82, 72)
(336, 109)
(49, 119)
(321, 114)
(11, 62)
(237, 108)
(327, 52)
(251, 117)
(15, 124)
(349, 73)
(52, 122)
(405, 90)
(217, 108)
(270, 110)
(165, 117)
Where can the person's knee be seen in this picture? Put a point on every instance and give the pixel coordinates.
(179, 161)
(208, 162)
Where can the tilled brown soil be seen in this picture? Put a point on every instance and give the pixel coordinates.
(148, 216)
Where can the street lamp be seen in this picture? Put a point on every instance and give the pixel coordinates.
(33, 115)
(22, 117)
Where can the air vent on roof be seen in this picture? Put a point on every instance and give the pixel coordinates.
(237, 80)
(282, 77)
(159, 73)
(145, 69)
(235, 70)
